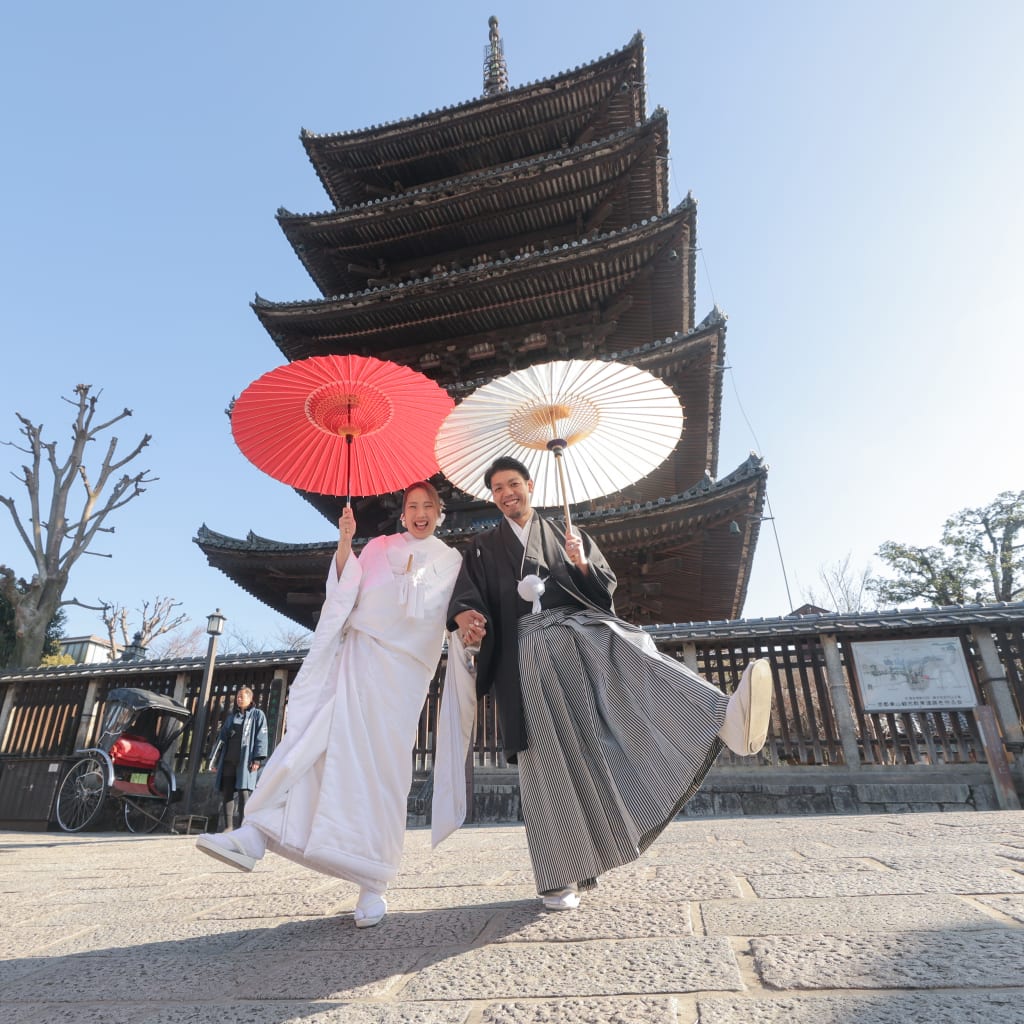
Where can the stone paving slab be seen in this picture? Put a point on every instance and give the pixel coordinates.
(662, 1010)
(842, 915)
(317, 975)
(218, 937)
(337, 898)
(865, 883)
(464, 896)
(120, 976)
(580, 969)
(636, 920)
(416, 931)
(797, 866)
(20, 940)
(226, 882)
(946, 959)
(924, 1007)
(677, 882)
(826, 920)
(240, 1013)
(469, 874)
(79, 910)
(1011, 906)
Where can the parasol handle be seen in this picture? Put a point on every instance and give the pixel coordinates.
(348, 470)
(557, 445)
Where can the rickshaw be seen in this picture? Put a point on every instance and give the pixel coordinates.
(127, 763)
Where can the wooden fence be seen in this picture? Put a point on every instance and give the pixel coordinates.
(818, 718)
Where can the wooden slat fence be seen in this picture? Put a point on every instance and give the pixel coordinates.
(488, 750)
(267, 696)
(803, 726)
(46, 711)
(45, 719)
(1010, 644)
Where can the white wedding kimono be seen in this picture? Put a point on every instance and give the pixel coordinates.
(333, 794)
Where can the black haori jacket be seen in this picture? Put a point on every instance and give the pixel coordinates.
(491, 570)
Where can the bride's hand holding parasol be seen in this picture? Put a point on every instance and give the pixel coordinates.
(346, 531)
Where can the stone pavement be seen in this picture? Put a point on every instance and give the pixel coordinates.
(806, 920)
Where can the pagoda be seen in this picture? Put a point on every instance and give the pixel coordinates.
(528, 225)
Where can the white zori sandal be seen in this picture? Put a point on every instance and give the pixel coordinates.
(232, 847)
(370, 909)
(562, 899)
(749, 711)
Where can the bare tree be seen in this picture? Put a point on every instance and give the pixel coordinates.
(287, 638)
(234, 641)
(181, 643)
(54, 540)
(292, 638)
(843, 589)
(156, 620)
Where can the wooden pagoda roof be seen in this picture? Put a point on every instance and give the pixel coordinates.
(528, 204)
(569, 109)
(625, 287)
(678, 558)
(522, 227)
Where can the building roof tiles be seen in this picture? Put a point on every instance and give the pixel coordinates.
(834, 622)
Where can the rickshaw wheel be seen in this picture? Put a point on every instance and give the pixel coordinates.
(81, 794)
(147, 813)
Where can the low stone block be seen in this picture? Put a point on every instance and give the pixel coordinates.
(907, 795)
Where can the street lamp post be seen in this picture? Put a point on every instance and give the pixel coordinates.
(214, 626)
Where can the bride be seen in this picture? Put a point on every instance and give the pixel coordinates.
(333, 794)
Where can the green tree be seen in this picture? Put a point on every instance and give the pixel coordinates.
(979, 559)
(54, 541)
(6, 631)
(994, 535)
(54, 631)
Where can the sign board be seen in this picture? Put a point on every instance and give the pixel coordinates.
(913, 675)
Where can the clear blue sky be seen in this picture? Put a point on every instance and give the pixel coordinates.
(858, 169)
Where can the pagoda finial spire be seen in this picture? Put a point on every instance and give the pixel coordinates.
(495, 68)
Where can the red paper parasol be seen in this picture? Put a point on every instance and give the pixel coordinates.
(341, 424)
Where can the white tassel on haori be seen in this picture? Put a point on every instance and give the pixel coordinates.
(411, 593)
(530, 589)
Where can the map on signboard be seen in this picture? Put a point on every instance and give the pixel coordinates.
(913, 675)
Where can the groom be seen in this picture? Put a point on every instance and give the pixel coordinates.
(611, 736)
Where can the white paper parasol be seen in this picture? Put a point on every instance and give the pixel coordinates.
(614, 422)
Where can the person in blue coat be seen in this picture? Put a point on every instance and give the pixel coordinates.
(243, 747)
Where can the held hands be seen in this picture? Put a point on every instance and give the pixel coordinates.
(472, 627)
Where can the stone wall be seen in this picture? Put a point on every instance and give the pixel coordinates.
(738, 792)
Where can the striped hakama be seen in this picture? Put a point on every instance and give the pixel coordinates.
(620, 737)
